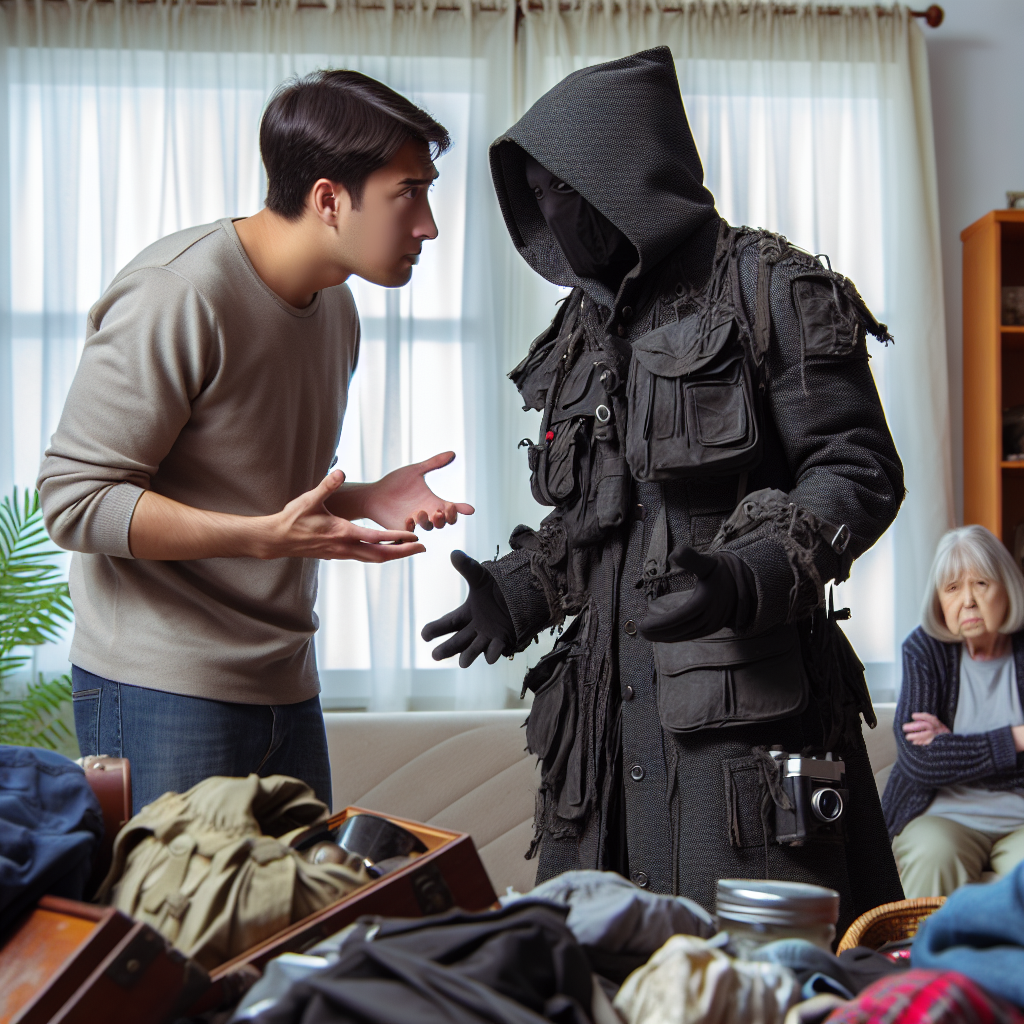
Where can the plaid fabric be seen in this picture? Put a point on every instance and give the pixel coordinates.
(926, 997)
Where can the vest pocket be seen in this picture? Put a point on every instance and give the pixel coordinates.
(725, 680)
(691, 403)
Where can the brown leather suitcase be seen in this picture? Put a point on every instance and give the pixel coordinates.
(50, 953)
(80, 964)
(110, 778)
(448, 875)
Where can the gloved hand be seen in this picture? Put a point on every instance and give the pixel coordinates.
(482, 625)
(725, 595)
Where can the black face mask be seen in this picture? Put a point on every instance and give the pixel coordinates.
(593, 245)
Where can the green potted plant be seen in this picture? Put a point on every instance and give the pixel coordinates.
(34, 607)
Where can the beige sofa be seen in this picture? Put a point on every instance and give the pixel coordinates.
(469, 771)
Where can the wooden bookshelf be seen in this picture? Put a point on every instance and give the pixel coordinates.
(993, 372)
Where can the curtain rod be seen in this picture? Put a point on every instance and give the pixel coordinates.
(933, 16)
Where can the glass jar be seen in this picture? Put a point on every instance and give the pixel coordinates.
(755, 912)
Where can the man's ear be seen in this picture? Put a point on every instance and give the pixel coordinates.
(330, 201)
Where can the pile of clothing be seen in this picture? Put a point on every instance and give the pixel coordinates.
(590, 947)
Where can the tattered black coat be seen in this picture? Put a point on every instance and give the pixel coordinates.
(723, 400)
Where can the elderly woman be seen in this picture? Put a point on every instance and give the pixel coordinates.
(954, 804)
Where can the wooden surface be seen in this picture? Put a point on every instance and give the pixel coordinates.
(452, 854)
(993, 371)
(51, 953)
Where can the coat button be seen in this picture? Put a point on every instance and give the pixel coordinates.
(627, 312)
(641, 512)
(640, 877)
(628, 695)
(630, 627)
(636, 773)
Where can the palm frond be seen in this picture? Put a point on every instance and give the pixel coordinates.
(34, 600)
(33, 719)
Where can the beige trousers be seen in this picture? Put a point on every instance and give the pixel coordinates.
(936, 856)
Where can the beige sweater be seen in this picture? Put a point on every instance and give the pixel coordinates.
(200, 383)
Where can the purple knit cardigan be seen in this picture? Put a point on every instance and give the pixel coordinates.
(931, 682)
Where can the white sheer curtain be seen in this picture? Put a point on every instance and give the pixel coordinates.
(817, 125)
(120, 123)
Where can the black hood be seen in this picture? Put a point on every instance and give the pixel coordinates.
(618, 134)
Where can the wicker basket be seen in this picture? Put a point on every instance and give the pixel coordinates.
(891, 922)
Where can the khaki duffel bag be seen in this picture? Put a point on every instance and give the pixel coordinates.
(212, 871)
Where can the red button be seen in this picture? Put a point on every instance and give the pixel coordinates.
(549, 436)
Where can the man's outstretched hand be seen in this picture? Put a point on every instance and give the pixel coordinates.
(725, 590)
(162, 528)
(482, 625)
(401, 500)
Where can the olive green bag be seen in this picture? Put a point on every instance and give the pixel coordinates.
(212, 871)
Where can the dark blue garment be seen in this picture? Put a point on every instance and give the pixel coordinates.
(174, 742)
(979, 931)
(931, 682)
(50, 823)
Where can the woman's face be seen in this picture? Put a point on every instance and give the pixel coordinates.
(973, 605)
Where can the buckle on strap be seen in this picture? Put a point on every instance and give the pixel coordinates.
(841, 539)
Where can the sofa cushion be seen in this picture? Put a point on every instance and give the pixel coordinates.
(466, 771)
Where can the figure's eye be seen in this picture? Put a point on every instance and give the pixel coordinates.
(538, 192)
(560, 186)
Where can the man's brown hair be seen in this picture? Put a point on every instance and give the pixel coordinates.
(339, 125)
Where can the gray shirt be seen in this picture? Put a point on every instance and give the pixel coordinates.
(200, 383)
(988, 699)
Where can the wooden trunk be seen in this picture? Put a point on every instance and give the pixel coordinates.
(448, 875)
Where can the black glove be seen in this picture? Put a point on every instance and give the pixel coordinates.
(725, 595)
(483, 623)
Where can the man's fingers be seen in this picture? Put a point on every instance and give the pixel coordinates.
(494, 649)
(449, 623)
(473, 651)
(436, 462)
(383, 552)
(371, 536)
(472, 571)
(463, 509)
(326, 487)
(456, 645)
(423, 520)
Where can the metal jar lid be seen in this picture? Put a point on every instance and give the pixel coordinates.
(785, 904)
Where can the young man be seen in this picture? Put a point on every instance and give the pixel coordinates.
(190, 469)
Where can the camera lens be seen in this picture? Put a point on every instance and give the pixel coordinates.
(827, 805)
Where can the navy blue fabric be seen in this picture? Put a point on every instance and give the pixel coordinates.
(50, 822)
(174, 742)
(979, 931)
(931, 682)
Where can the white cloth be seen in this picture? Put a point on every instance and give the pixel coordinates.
(989, 698)
(689, 981)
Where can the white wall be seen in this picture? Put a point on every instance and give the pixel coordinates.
(976, 59)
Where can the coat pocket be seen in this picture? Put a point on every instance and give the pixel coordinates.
(691, 403)
(725, 680)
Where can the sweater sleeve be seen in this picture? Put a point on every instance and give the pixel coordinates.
(146, 357)
(952, 757)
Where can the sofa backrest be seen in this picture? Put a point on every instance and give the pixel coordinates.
(469, 771)
(464, 770)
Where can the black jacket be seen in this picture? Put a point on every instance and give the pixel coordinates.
(722, 399)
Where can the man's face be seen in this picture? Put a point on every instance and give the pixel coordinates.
(384, 236)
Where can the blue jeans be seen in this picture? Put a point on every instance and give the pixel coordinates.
(173, 741)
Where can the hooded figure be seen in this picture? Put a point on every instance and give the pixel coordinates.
(714, 451)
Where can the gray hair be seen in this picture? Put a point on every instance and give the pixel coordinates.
(964, 549)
